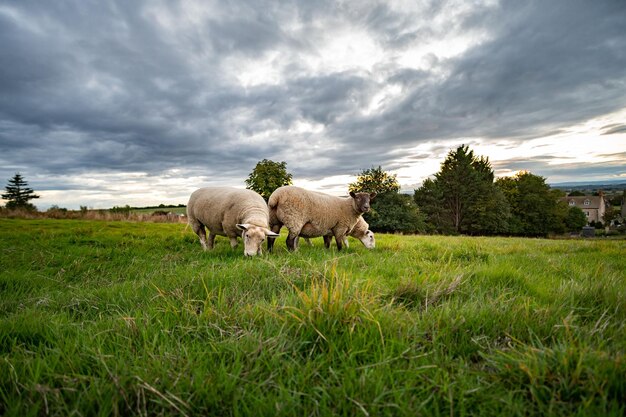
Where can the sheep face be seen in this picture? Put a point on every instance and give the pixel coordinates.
(368, 240)
(362, 201)
(253, 237)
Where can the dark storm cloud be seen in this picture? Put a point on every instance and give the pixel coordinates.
(121, 86)
(85, 98)
(545, 66)
(549, 64)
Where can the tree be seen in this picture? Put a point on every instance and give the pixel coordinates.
(428, 198)
(462, 197)
(391, 211)
(561, 211)
(394, 212)
(576, 219)
(492, 214)
(375, 180)
(18, 193)
(610, 215)
(267, 176)
(534, 205)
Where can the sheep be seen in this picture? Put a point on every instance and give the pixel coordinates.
(360, 231)
(294, 207)
(230, 212)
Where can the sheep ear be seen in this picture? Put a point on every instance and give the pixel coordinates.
(243, 226)
(270, 233)
(372, 196)
(352, 194)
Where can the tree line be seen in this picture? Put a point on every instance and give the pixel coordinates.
(463, 197)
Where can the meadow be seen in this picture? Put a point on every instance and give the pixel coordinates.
(133, 318)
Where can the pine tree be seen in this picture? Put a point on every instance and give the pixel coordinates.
(18, 193)
(462, 197)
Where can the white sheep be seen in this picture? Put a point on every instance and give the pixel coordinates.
(359, 231)
(295, 207)
(230, 212)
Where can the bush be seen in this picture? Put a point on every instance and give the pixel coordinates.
(575, 219)
(121, 210)
(597, 224)
(394, 212)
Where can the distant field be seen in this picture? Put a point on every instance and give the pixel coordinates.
(176, 210)
(122, 318)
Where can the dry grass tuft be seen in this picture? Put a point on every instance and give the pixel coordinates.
(100, 215)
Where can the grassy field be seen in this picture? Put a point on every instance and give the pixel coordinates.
(120, 318)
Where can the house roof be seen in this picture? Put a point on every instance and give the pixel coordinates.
(579, 201)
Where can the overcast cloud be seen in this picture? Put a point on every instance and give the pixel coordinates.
(116, 102)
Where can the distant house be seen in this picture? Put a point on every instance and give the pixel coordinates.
(594, 207)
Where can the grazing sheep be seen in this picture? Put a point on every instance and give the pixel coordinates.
(295, 207)
(360, 231)
(230, 212)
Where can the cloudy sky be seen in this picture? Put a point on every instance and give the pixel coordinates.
(108, 103)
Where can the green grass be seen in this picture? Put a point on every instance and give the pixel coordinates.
(120, 318)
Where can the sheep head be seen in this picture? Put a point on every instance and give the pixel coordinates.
(368, 240)
(253, 236)
(361, 201)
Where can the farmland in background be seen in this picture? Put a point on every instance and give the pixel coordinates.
(167, 209)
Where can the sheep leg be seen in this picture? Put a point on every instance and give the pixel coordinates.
(211, 240)
(340, 235)
(233, 242)
(198, 229)
(327, 240)
(292, 239)
(270, 240)
(339, 242)
(291, 242)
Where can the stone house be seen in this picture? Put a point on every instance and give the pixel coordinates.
(594, 207)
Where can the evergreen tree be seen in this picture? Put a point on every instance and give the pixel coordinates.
(18, 193)
(428, 198)
(462, 197)
(267, 176)
(491, 214)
